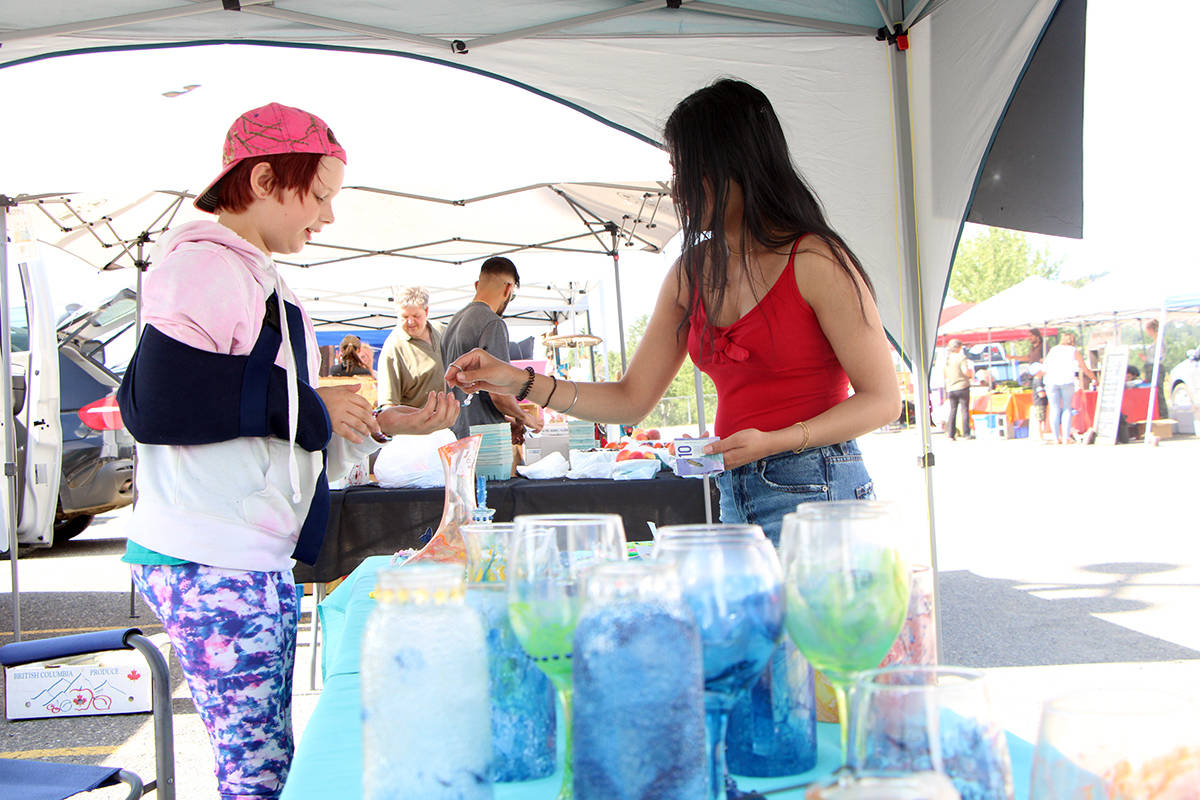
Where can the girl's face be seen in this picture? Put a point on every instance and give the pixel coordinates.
(301, 214)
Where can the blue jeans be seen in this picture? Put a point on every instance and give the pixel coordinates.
(761, 492)
(1061, 397)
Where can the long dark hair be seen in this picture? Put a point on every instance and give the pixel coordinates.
(726, 132)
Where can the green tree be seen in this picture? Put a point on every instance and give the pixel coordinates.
(994, 260)
(679, 401)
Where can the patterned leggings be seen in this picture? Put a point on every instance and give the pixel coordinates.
(234, 632)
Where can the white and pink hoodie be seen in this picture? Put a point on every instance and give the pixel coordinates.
(237, 504)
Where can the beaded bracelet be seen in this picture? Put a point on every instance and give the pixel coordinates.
(528, 385)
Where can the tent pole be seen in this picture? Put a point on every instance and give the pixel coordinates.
(616, 257)
(911, 290)
(10, 440)
(1158, 346)
(702, 428)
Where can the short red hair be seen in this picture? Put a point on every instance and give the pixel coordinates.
(295, 171)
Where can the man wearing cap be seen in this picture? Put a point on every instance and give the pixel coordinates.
(479, 325)
(410, 365)
(958, 388)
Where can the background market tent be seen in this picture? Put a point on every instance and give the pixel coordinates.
(893, 132)
(1029, 304)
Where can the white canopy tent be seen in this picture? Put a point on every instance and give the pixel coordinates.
(891, 107)
(1032, 302)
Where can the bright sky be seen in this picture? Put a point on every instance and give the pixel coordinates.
(1139, 174)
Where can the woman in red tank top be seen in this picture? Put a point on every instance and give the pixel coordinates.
(769, 300)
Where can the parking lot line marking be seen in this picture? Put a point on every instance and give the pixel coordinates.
(59, 752)
(80, 630)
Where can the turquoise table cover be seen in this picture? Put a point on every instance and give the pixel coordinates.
(328, 760)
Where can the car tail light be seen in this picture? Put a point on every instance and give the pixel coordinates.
(102, 414)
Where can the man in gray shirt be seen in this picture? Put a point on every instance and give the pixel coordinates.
(479, 325)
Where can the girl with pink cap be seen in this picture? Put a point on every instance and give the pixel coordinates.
(235, 442)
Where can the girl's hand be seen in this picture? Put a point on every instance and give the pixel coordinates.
(349, 413)
(440, 411)
(478, 371)
(749, 444)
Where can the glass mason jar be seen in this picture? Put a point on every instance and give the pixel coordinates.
(773, 725)
(639, 716)
(522, 712)
(425, 709)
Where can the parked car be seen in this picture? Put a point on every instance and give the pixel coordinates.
(1183, 390)
(74, 457)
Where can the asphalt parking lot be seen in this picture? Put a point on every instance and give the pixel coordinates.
(1059, 567)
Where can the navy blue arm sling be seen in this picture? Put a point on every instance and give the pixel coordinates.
(176, 394)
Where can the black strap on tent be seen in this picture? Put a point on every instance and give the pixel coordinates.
(231, 5)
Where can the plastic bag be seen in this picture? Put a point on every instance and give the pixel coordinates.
(592, 464)
(412, 462)
(635, 469)
(552, 465)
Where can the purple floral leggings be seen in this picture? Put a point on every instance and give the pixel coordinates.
(234, 632)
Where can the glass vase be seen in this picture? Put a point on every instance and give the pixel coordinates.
(523, 716)
(639, 722)
(458, 462)
(425, 710)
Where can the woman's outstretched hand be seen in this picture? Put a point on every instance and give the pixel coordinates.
(479, 371)
(440, 411)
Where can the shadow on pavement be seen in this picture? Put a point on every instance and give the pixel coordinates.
(996, 622)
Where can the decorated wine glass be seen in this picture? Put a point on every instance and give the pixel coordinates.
(919, 718)
(1128, 743)
(547, 559)
(847, 590)
(731, 579)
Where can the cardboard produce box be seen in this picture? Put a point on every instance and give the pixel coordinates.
(114, 682)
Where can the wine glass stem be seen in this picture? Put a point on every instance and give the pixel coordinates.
(567, 790)
(715, 722)
(843, 711)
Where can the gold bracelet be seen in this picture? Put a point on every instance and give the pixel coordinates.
(574, 400)
(807, 436)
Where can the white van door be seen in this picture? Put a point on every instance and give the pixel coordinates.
(34, 365)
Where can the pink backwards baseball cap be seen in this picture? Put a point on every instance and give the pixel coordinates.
(271, 130)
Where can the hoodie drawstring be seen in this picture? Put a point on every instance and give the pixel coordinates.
(293, 393)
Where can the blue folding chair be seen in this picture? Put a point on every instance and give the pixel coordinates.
(42, 780)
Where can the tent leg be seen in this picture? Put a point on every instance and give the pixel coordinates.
(912, 297)
(10, 441)
(1158, 346)
(702, 429)
(616, 257)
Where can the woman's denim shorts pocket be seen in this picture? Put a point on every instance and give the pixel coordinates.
(795, 473)
(848, 477)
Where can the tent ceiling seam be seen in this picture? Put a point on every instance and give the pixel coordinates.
(823, 25)
(570, 22)
(345, 26)
(102, 23)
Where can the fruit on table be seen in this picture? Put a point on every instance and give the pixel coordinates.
(628, 455)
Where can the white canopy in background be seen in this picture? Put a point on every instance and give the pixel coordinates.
(1032, 302)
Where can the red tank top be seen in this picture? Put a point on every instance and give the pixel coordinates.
(774, 366)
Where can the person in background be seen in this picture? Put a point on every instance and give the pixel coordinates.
(479, 326)
(350, 360)
(1133, 378)
(957, 374)
(1062, 363)
(1037, 408)
(410, 366)
(366, 354)
(232, 438)
(768, 300)
(1037, 348)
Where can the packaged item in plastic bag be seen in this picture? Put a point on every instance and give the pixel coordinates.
(412, 462)
(549, 466)
(636, 469)
(592, 464)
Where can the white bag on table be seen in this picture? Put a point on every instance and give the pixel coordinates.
(412, 462)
